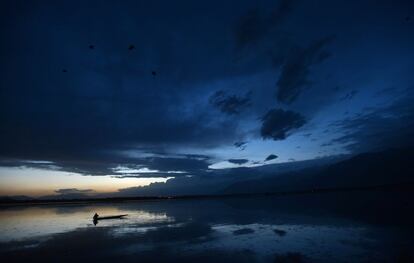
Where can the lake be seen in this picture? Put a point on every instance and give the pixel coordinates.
(327, 227)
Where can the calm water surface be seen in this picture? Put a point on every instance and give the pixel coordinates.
(347, 227)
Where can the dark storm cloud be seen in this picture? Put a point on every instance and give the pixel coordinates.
(378, 129)
(271, 157)
(215, 181)
(278, 124)
(256, 24)
(238, 161)
(230, 104)
(89, 129)
(108, 99)
(79, 90)
(165, 167)
(174, 164)
(114, 165)
(87, 166)
(250, 28)
(296, 69)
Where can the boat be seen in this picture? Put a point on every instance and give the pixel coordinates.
(110, 217)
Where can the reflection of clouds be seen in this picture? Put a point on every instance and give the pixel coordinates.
(171, 235)
(308, 239)
(98, 245)
(192, 239)
(141, 222)
(118, 232)
(230, 230)
(143, 218)
(21, 224)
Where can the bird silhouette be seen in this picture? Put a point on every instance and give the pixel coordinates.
(91, 46)
(154, 73)
(131, 47)
(64, 70)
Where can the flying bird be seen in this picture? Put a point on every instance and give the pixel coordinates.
(91, 46)
(131, 47)
(64, 70)
(154, 73)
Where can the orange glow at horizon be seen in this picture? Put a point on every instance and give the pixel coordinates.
(40, 182)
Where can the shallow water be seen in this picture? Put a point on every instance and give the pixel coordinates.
(342, 227)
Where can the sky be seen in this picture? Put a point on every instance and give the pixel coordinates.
(100, 96)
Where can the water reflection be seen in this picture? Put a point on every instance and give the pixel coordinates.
(20, 223)
(321, 228)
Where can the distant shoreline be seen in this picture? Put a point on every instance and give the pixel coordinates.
(406, 186)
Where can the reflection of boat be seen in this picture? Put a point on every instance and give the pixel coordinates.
(109, 217)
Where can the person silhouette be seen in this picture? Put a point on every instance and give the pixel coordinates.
(95, 219)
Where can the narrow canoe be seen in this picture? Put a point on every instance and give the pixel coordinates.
(110, 217)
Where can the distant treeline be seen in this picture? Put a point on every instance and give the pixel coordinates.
(407, 186)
